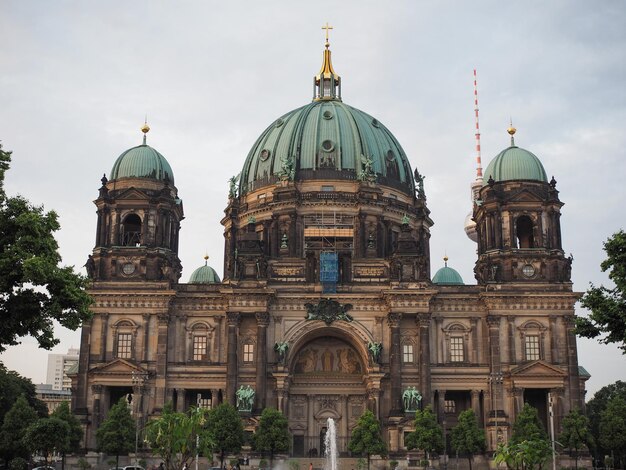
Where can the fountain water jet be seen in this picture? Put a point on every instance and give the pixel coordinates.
(330, 445)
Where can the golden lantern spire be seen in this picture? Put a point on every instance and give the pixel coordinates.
(511, 130)
(145, 129)
(327, 84)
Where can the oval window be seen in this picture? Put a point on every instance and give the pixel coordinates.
(328, 146)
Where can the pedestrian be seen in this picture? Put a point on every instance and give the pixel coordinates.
(161, 466)
(311, 466)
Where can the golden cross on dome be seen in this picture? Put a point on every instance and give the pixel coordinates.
(327, 28)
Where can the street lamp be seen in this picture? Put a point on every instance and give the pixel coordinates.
(495, 379)
(138, 378)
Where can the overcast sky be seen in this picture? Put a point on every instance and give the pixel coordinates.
(78, 78)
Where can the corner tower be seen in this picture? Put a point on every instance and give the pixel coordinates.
(518, 221)
(139, 216)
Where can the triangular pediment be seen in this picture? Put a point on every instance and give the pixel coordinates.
(131, 194)
(525, 195)
(119, 367)
(537, 369)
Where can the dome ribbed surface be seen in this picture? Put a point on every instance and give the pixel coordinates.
(447, 277)
(327, 140)
(515, 163)
(142, 162)
(204, 275)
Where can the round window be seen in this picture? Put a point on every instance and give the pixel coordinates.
(375, 123)
(265, 154)
(528, 270)
(278, 123)
(390, 155)
(328, 146)
(128, 268)
(327, 114)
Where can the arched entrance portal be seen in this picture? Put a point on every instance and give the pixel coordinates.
(328, 380)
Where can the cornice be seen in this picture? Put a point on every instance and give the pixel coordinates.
(525, 301)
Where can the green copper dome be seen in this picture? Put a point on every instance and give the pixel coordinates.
(515, 163)
(204, 275)
(447, 277)
(327, 140)
(142, 162)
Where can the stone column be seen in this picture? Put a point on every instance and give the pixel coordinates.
(572, 365)
(423, 322)
(512, 359)
(214, 394)
(181, 339)
(262, 320)
(231, 357)
(310, 415)
(554, 349)
(180, 400)
(439, 354)
(161, 359)
(104, 322)
(475, 346)
(80, 399)
(441, 406)
(344, 421)
(146, 336)
(475, 401)
(96, 391)
(394, 362)
(494, 359)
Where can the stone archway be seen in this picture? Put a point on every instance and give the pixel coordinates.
(328, 379)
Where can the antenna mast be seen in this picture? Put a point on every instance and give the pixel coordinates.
(479, 167)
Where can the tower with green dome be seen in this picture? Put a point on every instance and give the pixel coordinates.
(139, 214)
(518, 222)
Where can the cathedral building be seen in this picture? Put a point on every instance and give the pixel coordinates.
(327, 306)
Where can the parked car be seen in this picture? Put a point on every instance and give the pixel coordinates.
(128, 467)
(44, 467)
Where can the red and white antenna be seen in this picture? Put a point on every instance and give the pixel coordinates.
(479, 166)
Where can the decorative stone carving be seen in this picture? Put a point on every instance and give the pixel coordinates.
(245, 398)
(411, 399)
(328, 310)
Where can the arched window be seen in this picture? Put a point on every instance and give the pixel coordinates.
(131, 230)
(524, 232)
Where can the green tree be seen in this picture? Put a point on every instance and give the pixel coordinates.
(225, 430)
(75, 430)
(527, 426)
(594, 409)
(367, 438)
(612, 428)
(428, 435)
(34, 289)
(178, 437)
(116, 434)
(607, 319)
(273, 433)
(16, 422)
(13, 385)
(47, 435)
(467, 437)
(524, 455)
(576, 434)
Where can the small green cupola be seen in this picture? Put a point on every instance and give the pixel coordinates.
(447, 276)
(327, 84)
(514, 163)
(142, 161)
(204, 274)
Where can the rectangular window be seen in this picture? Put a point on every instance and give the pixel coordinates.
(124, 345)
(248, 352)
(532, 347)
(328, 189)
(199, 348)
(407, 353)
(449, 406)
(456, 349)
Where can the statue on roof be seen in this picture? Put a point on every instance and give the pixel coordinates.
(419, 179)
(232, 191)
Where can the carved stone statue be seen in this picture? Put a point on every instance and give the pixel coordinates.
(367, 172)
(287, 168)
(245, 398)
(281, 349)
(232, 191)
(328, 310)
(419, 179)
(411, 399)
(375, 348)
(90, 266)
